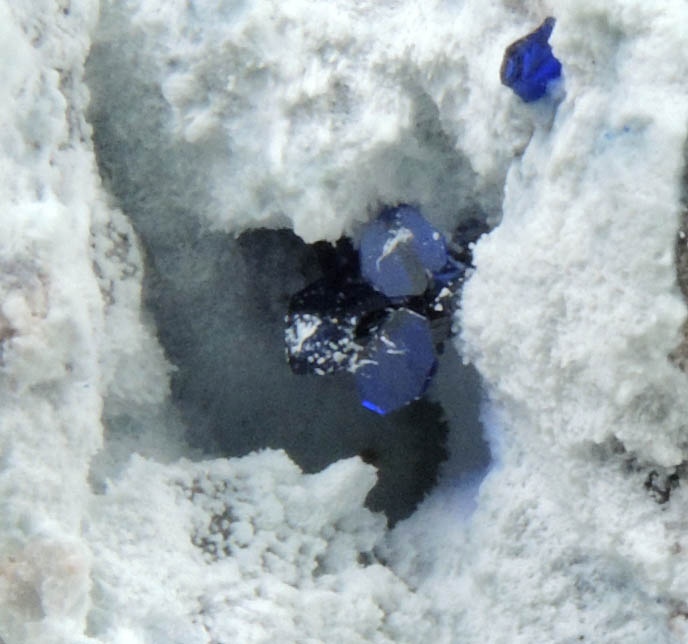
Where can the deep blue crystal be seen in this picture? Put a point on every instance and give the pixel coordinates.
(399, 251)
(398, 364)
(529, 64)
(328, 323)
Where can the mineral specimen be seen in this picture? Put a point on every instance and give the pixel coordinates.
(324, 323)
(380, 313)
(397, 365)
(529, 64)
(399, 250)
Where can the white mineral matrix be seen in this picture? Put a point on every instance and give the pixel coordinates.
(226, 116)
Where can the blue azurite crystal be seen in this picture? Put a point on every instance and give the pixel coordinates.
(327, 324)
(398, 364)
(382, 313)
(529, 64)
(399, 250)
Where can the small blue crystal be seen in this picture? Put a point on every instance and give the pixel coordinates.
(529, 64)
(398, 364)
(450, 273)
(399, 250)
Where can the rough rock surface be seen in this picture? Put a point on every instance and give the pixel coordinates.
(114, 531)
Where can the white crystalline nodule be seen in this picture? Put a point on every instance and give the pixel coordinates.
(309, 113)
(248, 548)
(304, 328)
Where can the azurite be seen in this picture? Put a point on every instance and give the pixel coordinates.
(529, 64)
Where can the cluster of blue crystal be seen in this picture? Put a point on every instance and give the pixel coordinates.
(380, 313)
(529, 64)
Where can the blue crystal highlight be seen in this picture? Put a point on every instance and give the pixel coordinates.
(398, 365)
(373, 407)
(529, 64)
(399, 250)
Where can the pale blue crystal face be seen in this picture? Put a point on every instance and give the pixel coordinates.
(397, 366)
(529, 64)
(400, 250)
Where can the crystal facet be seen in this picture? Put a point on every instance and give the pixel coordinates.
(529, 64)
(397, 366)
(399, 250)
